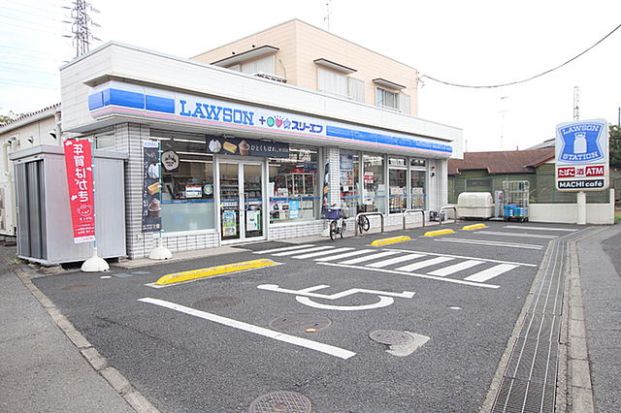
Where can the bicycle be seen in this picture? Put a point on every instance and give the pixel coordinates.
(363, 224)
(337, 222)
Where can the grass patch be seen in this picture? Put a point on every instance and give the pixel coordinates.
(617, 215)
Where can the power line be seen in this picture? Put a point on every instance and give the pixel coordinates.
(528, 79)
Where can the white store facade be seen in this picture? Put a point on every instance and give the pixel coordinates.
(245, 159)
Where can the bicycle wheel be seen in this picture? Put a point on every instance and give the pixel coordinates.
(363, 224)
(333, 229)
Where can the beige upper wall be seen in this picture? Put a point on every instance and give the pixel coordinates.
(282, 36)
(301, 43)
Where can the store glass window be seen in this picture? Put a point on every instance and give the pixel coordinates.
(350, 182)
(374, 187)
(293, 185)
(397, 185)
(187, 184)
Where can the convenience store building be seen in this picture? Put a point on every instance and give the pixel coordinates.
(246, 157)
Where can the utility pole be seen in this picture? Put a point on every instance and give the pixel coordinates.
(81, 26)
(503, 112)
(576, 103)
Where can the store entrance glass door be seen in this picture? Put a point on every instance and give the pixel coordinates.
(241, 201)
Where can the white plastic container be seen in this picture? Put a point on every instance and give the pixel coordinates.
(478, 205)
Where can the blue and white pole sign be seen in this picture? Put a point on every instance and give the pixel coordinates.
(582, 156)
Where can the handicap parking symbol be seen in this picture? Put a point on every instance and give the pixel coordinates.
(305, 296)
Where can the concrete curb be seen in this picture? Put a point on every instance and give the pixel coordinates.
(192, 275)
(99, 363)
(579, 390)
(389, 241)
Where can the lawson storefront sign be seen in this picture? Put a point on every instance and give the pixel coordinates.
(120, 98)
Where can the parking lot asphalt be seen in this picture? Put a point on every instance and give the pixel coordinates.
(305, 325)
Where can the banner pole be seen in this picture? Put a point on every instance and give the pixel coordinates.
(160, 252)
(94, 263)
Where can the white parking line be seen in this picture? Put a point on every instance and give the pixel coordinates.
(284, 254)
(492, 243)
(395, 260)
(452, 269)
(298, 341)
(515, 234)
(370, 257)
(423, 264)
(490, 273)
(340, 256)
(540, 228)
(320, 253)
(294, 247)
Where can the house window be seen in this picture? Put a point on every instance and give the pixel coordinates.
(387, 99)
(333, 82)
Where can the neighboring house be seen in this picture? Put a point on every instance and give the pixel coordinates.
(303, 55)
(41, 127)
(488, 172)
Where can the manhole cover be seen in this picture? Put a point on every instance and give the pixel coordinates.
(281, 402)
(216, 302)
(391, 337)
(300, 322)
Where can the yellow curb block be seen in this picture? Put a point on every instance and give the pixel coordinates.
(439, 232)
(191, 275)
(474, 226)
(388, 241)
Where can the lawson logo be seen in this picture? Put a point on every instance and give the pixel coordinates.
(580, 142)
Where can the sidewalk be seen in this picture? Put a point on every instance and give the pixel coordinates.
(40, 369)
(600, 275)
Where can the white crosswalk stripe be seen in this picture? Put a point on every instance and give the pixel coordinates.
(341, 256)
(490, 273)
(294, 247)
(305, 250)
(396, 260)
(456, 269)
(452, 269)
(426, 263)
(320, 253)
(370, 257)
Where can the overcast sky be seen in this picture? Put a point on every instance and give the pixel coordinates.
(469, 42)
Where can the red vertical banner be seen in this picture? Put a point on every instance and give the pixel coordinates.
(79, 162)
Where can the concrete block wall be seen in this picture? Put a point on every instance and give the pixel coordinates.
(128, 139)
(295, 230)
(192, 241)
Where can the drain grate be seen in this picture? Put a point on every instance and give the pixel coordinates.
(300, 322)
(216, 302)
(529, 382)
(391, 337)
(281, 402)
